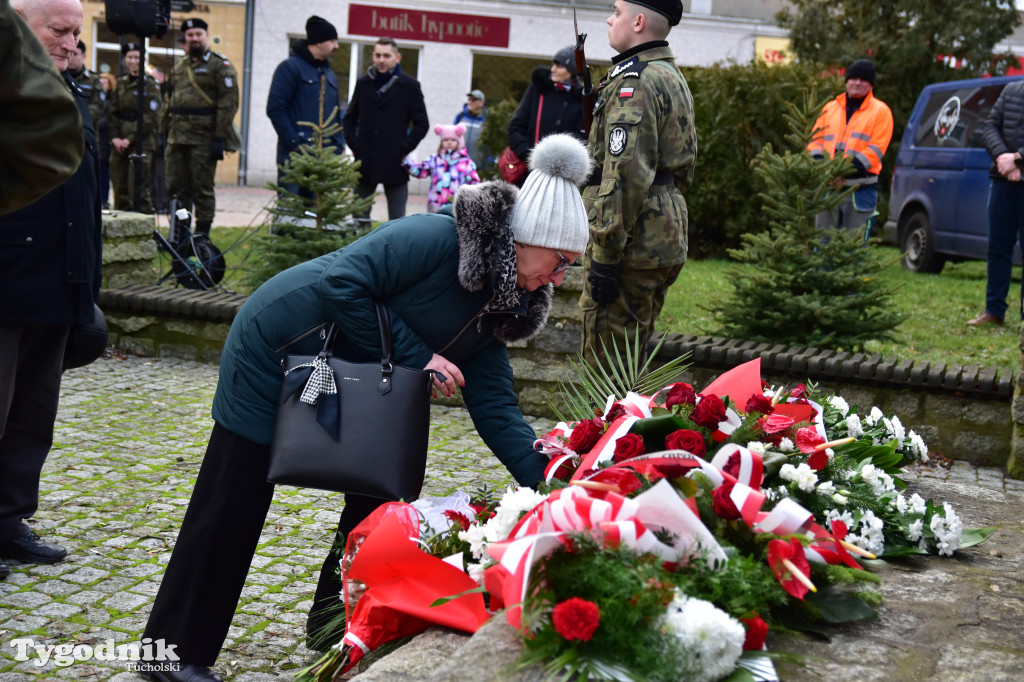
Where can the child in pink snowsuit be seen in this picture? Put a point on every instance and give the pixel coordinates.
(449, 169)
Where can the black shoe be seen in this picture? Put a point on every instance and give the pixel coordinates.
(187, 672)
(4, 570)
(32, 550)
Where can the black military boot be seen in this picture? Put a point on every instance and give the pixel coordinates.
(203, 227)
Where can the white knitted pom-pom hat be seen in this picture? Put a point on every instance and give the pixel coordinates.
(549, 210)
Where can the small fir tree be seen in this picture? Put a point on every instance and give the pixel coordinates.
(330, 179)
(808, 286)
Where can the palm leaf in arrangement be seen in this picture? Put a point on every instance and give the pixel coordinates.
(586, 395)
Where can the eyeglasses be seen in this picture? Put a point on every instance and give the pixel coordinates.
(563, 266)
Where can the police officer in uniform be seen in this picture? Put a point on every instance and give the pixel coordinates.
(201, 107)
(644, 145)
(124, 130)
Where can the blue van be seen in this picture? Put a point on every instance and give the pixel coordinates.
(938, 206)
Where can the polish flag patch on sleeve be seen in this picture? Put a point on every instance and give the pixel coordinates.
(626, 92)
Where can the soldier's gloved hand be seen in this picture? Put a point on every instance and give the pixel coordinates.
(604, 282)
(217, 148)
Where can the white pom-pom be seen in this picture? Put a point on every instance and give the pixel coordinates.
(563, 156)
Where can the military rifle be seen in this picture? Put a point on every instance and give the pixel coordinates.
(583, 72)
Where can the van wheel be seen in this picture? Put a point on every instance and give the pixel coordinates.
(918, 245)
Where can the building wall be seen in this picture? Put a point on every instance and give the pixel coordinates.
(445, 69)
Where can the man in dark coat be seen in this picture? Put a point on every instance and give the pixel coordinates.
(459, 285)
(295, 95)
(50, 273)
(1004, 140)
(385, 121)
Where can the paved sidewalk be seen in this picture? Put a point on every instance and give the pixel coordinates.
(129, 440)
(130, 436)
(239, 206)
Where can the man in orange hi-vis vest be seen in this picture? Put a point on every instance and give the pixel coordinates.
(858, 126)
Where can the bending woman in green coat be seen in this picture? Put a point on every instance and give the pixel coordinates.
(459, 285)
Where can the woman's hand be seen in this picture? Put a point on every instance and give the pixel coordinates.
(452, 376)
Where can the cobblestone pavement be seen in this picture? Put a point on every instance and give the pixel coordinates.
(130, 436)
(129, 440)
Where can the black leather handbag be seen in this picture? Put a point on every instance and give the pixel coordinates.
(352, 427)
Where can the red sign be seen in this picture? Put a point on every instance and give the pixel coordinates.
(436, 27)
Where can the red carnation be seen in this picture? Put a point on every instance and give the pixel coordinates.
(681, 394)
(709, 412)
(457, 518)
(757, 632)
(686, 439)
(585, 435)
(576, 618)
(628, 446)
(758, 403)
(723, 505)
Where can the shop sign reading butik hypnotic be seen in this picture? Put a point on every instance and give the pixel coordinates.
(437, 27)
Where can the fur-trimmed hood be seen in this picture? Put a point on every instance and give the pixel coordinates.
(487, 258)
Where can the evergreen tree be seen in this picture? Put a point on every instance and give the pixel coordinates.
(803, 285)
(330, 177)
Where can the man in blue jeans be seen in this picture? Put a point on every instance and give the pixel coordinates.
(1004, 140)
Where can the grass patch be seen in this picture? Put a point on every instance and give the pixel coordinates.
(937, 308)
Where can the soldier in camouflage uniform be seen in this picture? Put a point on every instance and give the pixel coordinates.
(200, 109)
(644, 145)
(124, 129)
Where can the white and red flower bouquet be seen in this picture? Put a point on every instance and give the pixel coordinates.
(674, 531)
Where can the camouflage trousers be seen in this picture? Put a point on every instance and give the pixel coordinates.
(633, 313)
(190, 174)
(122, 176)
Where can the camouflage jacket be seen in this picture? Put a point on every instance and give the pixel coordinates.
(202, 101)
(92, 85)
(644, 145)
(124, 111)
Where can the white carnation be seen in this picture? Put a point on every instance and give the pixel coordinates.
(915, 530)
(917, 446)
(713, 636)
(879, 481)
(476, 572)
(803, 475)
(835, 515)
(826, 488)
(873, 416)
(948, 530)
(839, 404)
(786, 445)
(757, 447)
(853, 426)
(917, 504)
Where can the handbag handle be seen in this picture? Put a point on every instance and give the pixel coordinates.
(386, 345)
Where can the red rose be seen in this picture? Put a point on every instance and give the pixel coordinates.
(585, 435)
(757, 632)
(628, 446)
(617, 411)
(799, 392)
(709, 412)
(686, 439)
(680, 394)
(733, 464)
(576, 618)
(722, 504)
(758, 403)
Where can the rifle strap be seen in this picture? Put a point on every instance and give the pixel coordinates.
(192, 79)
(540, 108)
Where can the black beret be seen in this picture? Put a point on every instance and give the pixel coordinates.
(128, 47)
(671, 9)
(194, 22)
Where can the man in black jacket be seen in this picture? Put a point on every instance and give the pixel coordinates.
(1004, 140)
(385, 121)
(50, 276)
